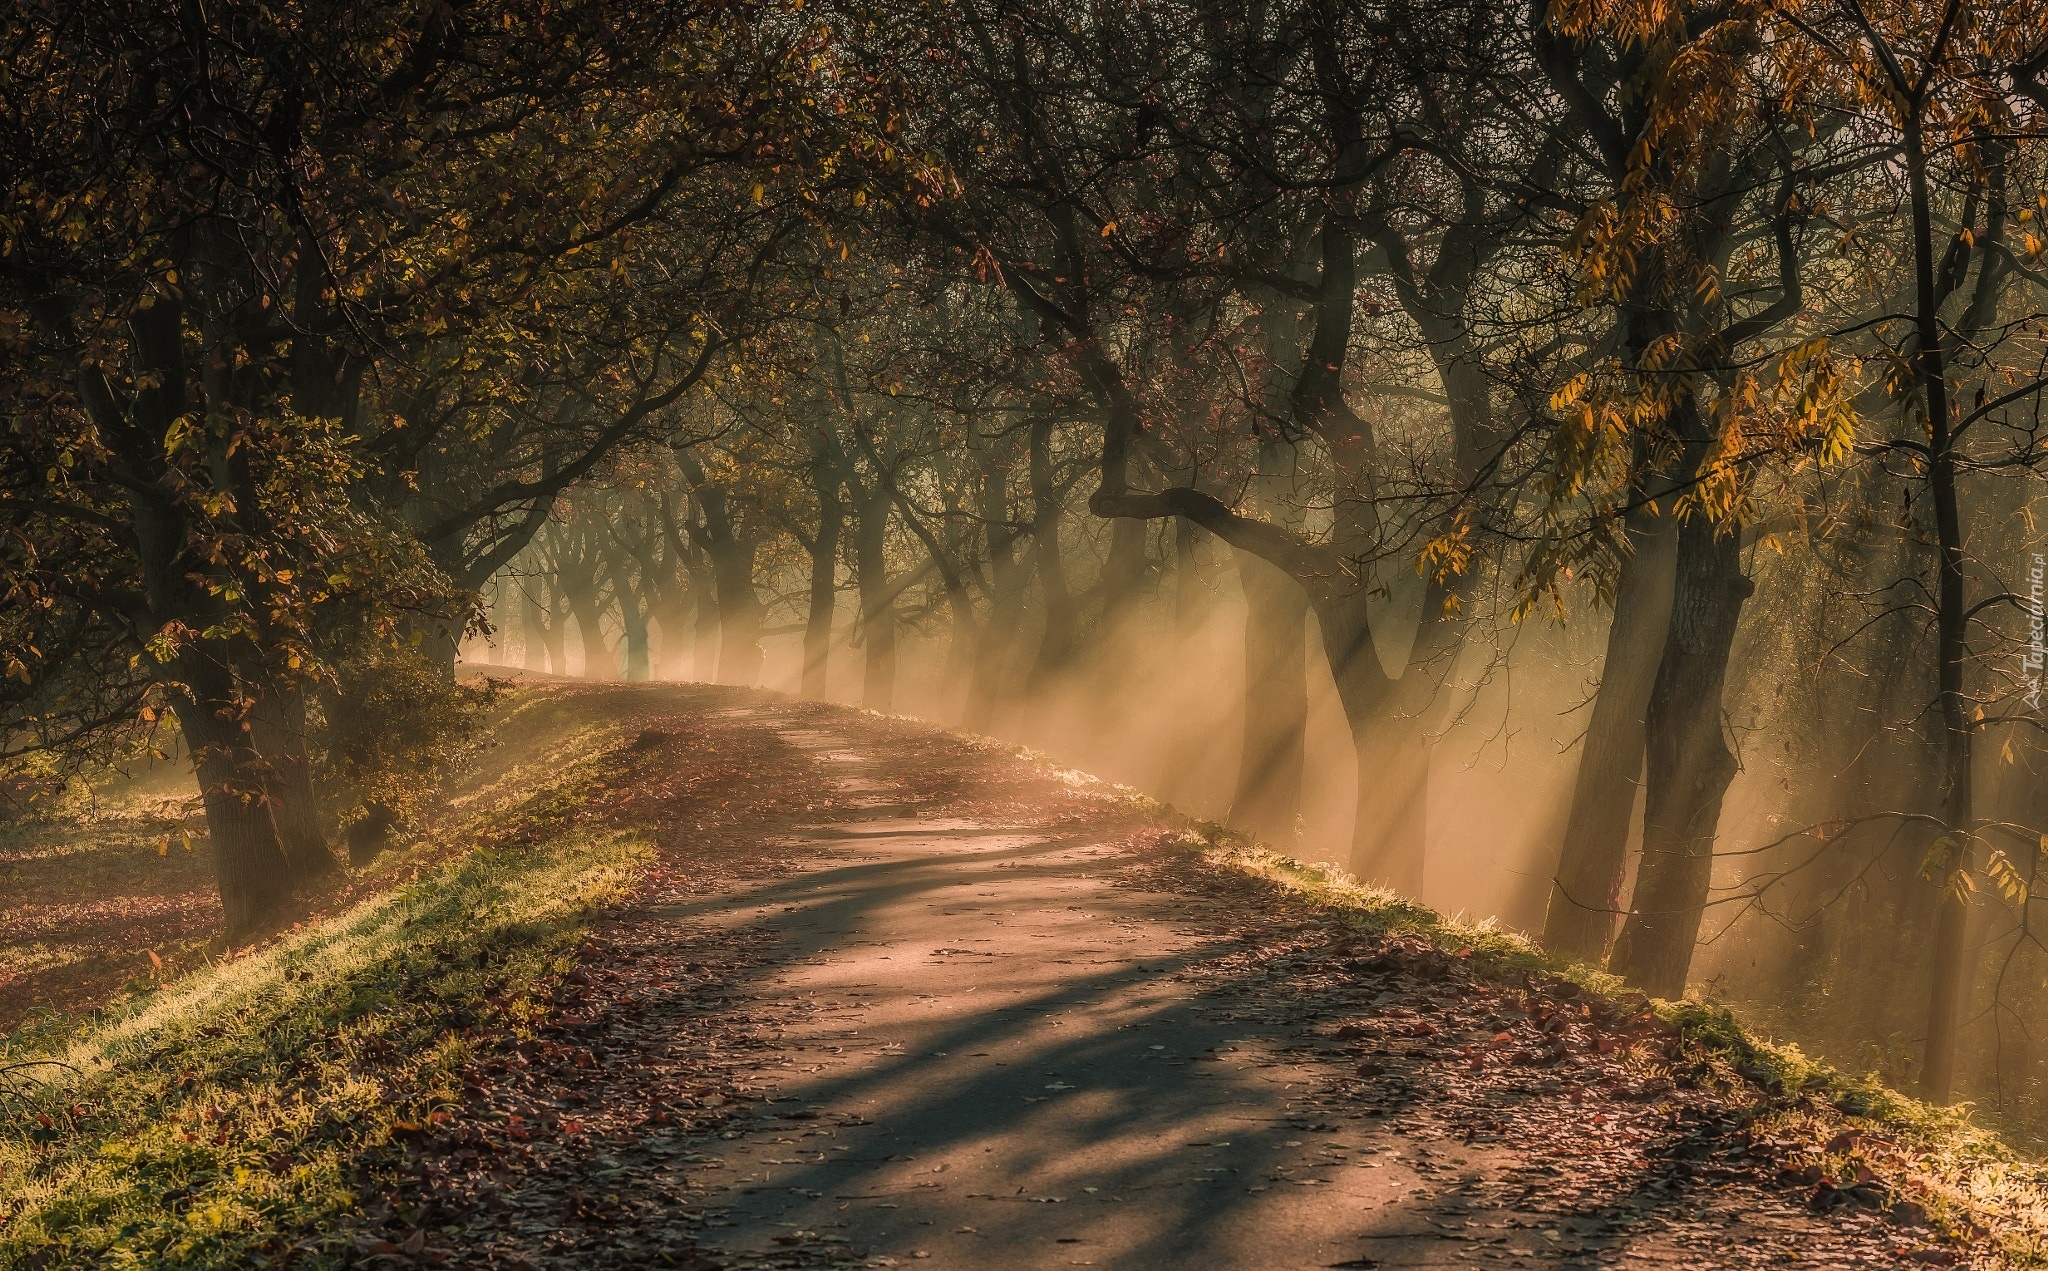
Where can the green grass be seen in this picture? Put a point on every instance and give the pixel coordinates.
(213, 1122)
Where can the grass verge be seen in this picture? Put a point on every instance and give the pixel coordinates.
(1851, 1138)
(231, 1117)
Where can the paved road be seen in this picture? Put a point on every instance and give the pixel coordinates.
(1008, 1072)
(963, 1012)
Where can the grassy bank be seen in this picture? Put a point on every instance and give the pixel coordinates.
(218, 1120)
(1851, 1138)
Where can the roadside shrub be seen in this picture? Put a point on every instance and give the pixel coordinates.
(391, 727)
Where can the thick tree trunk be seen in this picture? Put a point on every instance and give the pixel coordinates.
(1586, 894)
(1689, 765)
(824, 599)
(962, 638)
(1123, 574)
(278, 730)
(739, 613)
(1363, 689)
(730, 553)
(634, 619)
(248, 861)
(579, 589)
(442, 643)
(877, 605)
(1269, 775)
(598, 660)
(1270, 765)
(1391, 836)
(1180, 783)
(251, 871)
(704, 623)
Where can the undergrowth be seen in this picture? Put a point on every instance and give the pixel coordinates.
(232, 1117)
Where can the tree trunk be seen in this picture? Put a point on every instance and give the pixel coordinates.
(992, 651)
(826, 480)
(877, 606)
(1180, 783)
(739, 613)
(1586, 894)
(598, 660)
(632, 603)
(704, 622)
(1123, 574)
(1056, 645)
(533, 650)
(278, 730)
(1269, 773)
(1949, 994)
(555, 633)
(1689, 765)
(634, 619)
(731, 556)
(1270, 764)
(1363, 690)
(963, 633)
(962, 638)
(1390, 838)
(248, 861)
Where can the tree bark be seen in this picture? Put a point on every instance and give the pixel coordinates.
(1390, 837)
(1179, 784)
(1949, 994)
(1689, 765)
(739, 613)
(1056, 644)
(877, 601)
(1586, 892)
(963, 633)
(555, 633)
(533, 649)
(1123, 574)
(249, 864)
(731, 556)
(993, 648)
(704, 624)
(1269, 774)
(827, 478)
(633, 605)
(580, 589)
(278, 731)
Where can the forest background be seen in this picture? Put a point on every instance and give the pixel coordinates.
(1577, 463)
